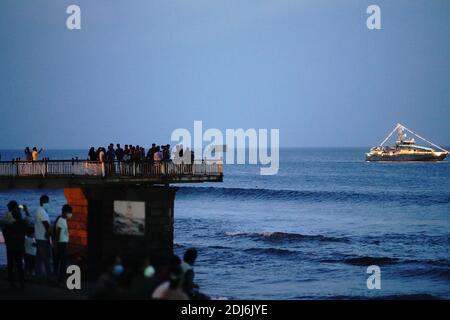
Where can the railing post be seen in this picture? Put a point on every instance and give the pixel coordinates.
(17, 166)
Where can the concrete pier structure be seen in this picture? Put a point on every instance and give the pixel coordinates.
(93, 228)
(124, 209)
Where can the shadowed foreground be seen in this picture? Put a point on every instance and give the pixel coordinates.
(37, 291)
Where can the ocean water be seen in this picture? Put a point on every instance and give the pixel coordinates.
(311, 231)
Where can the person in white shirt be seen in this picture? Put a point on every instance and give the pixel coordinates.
(30, 253)
(62, 241)
(42, 234)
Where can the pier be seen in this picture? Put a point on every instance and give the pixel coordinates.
(96, 190)
(67, 173)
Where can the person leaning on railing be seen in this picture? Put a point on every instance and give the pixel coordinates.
(28, 154)
(119, 152)
(151, 153)
(93, 156)
(158, 156)
(101, 154)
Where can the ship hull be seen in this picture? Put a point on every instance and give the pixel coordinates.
(406, 157)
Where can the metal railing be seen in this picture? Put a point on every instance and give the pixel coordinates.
(49, 168)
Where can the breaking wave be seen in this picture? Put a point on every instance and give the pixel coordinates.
(404, 198)
(368, 261)
(284, 237)
(271, 251)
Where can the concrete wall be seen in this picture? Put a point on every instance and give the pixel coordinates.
(92, 229)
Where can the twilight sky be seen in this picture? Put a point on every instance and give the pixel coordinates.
(139, 69)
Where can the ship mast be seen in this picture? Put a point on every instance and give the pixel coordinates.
(400, 135)
(422, 138)
(390, 134)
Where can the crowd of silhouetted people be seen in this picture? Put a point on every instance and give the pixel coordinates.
(129, 153)
(132, 153)
(36, 248)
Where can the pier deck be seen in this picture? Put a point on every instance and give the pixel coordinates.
(73, 173)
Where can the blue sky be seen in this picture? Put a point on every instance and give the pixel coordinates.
(139, 69)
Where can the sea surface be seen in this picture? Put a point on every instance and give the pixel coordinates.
(311, 231)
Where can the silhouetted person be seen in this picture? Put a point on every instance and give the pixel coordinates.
(151, 153)
(158, 154)
(62, 241)
(144, 281)
(127, 153)
(101, 154)
(136, 154)
(16, 246)
(30, 252)
(189, 258)
(107, 286)
(92, 154)
(166, 152)
(35, 154)
(172, 288)
(189, 286)
(8, 218)
(28, 154)
(110, 154)
(119, 153)
(42, 233)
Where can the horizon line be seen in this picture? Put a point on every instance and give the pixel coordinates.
(283, 147)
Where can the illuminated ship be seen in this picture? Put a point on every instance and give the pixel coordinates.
(405, 149)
